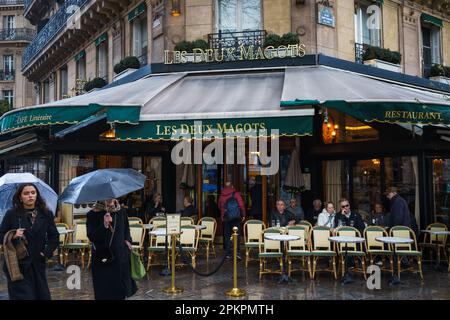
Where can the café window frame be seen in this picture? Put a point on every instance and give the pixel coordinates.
(240, 14)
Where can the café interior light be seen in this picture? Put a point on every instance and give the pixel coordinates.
(176, 8)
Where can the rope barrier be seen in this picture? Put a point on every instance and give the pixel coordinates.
(187, 261)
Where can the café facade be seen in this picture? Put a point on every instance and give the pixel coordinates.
(354, 130)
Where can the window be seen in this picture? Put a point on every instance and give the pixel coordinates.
(64, 82)
(441, 190)
(239, 15)
(102, 60)
(8, 66)
(9, 24)
(81, 68)
(431, 47)
(364, 35)
(8, 95)
(140, 42)
(46, 92)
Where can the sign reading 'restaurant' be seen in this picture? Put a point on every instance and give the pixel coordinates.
(234, 54)
(412, 115)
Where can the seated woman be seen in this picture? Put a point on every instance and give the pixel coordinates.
(378, 217)
(326, 217)
(189, 209)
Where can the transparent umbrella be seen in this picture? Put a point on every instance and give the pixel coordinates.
(10, 182)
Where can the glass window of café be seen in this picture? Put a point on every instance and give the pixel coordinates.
(38, 166)
(338, 127)
(365, 17)
(441, 190)
(239, 15)
(139, 38)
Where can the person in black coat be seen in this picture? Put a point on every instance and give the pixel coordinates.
(256, 197)
(189, 209)
(155, 207)
(348, 217)
(33, 221)
(312, 215)
(400, 214)
(109, 232)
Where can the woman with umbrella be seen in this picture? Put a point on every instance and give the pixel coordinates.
(109, 231)
(30, 226)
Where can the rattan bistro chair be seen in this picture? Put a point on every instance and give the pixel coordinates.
(269, 249)
(80, 245)
(322, 247)
(409, 251)
(189, 242)
(299, 250)
(63, 238)
(354, 250)
(307, 224)
(158, 247)
(134, 220)
(157, 222)
(376, 249)
(252, 236)
(137, 232)
(433, 241)
(187, 221)
(208, 235)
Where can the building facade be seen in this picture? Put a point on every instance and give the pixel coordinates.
(15, 34)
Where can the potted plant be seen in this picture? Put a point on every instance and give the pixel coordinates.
(440, 73)
(285, 40)
(189, 47)
(126, 66)
(383, 58)
(94, 84)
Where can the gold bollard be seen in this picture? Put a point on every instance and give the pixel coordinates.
(235, 292)
(172, 289)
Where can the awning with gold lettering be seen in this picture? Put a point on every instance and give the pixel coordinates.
(362, 97)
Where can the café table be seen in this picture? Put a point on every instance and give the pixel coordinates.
(394, 280)
(347, 278)
(282, 238)
(59, 266)
(162, 233)
(437, 266)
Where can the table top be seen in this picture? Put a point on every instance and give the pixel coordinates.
(347, 239)
(159, 232)
(281, 237)
(148, 226)
(437, 232)
(66, 231)
(395, 240)
(200, 227)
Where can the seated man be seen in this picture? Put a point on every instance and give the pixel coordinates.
(349, 218)
(281, 216)
(189, 209)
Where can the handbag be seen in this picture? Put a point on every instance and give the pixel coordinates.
(137, 267)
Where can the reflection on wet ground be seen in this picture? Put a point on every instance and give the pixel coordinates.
(434, 286)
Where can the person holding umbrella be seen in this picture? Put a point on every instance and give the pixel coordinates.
(109, 232)
(28, 225)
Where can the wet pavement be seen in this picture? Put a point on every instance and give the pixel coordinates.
(435, 285)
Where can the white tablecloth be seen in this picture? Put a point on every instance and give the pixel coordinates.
(346, 239)
(281, 237)
(394, 240)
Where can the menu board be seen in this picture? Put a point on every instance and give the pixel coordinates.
(173, 223)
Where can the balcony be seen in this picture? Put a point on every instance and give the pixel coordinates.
(8, 75)
(360, 50)
(67, 31)
(12, 2)
(34, 10)
(236, 39)
(18, 34)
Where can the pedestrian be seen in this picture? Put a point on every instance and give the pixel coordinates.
(256, 197)
(282, 217)
(189, 209)
(348, 217)
(399, 214)
(109, 231)
(232, 214)
(327, 216)
(296, 209)
(29, 237)
(313, 213)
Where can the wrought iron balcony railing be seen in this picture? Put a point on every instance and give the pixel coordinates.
(17, 34)
(7, 75)
(360, 50)
(27, 4)
(12, 2)
(236, 39)
(55, 25)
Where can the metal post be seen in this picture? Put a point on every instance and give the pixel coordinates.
(172, 289)
(235, 292)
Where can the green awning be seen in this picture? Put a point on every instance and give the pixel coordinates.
(163, 130)
(430, 19)
(141, 8)
(394, 112)
(80, 55)
(101, 39)
(41, 116)
(379, 1)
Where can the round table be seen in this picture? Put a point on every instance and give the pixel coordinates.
(394, 280)
(282, 238)
(66, 231)
(346, 239)
(200, 227)
(437, 265)
(162, 233)
(148, 226)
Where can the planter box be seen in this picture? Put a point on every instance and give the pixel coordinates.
(124, 73)
(383, 65)
(441, 79)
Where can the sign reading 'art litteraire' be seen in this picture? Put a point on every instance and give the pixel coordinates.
(234, 54)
